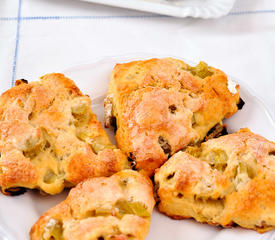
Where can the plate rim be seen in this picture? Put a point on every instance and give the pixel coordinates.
(150, 55)
(141, 56)
(212, 10)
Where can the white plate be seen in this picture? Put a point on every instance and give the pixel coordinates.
(176, 8)
(18, 214)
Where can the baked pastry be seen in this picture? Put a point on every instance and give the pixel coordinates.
(227, 180)
(50, 139)
(160, 106)
(110, 208)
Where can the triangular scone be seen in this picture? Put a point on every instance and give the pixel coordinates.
(110, 208)
(230, 179)
(160, 106)
(50, 139)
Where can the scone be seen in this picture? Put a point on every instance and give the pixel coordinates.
(160, 106)
(110, 208)
(50, 139)
(228, 180)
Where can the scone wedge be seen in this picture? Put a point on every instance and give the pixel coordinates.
(50, 138)
(110, 208)
(228, 180)
(160, 106)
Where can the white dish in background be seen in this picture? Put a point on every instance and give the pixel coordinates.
(18, 214)
(176, 8)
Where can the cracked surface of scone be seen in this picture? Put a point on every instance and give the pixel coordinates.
(105, 208)
(50, 139)
(227, 180)
(160, 106)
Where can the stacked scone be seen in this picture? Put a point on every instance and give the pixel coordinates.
(50, 139)
(225, 181)
(160, 106)
(167, 117)
(115, 208)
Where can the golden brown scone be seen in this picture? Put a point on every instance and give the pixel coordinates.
(106, 208)
(227, 180)
(160, 106)
(50, 139)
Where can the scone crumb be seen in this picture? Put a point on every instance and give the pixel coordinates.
(48, 228)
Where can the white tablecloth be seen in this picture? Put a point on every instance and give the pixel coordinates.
(50, 35)
(42, 36)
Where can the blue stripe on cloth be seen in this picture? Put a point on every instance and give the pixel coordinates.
(16, 43)
(268, 11)
(90, 17)
(252, 12)
(79, 17)
(8, 18)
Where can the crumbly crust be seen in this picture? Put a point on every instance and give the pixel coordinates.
(50, 139)
(163, 105)
(228, 180)
(110, 208)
